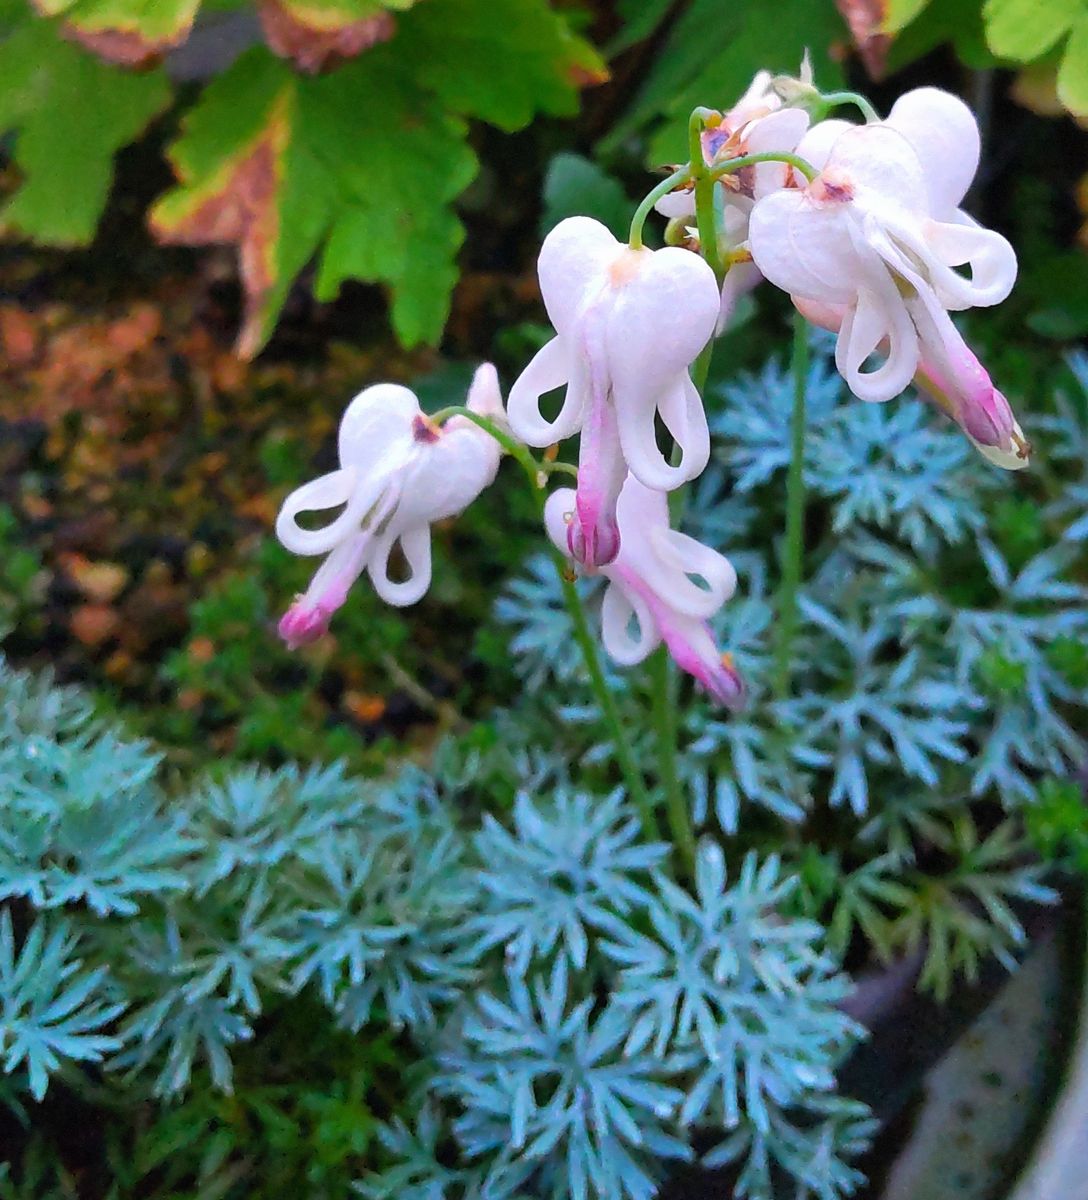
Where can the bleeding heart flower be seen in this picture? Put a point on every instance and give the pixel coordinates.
(398, 474)
(652, 596)
(628, 324)
(877, 233)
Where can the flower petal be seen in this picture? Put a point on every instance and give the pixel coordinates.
(803, 245)
(881, 163)
(682, 413)
(330, 491)
(593, 536)
(778, 131)
(551, 367)
(944, 134)
(416, 547)
(620, 604)
(574, 258)
(559, 509)
(816, 146)
(376, 428)
(990, 256)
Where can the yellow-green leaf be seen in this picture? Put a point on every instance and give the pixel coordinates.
(70, 114)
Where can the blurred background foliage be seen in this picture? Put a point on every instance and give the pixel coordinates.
(221, 220)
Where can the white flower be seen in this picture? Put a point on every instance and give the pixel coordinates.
(628, 325)
(878, 235)
(651, 595)
(398, 474)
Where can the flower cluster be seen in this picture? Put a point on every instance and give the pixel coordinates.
(860, 224)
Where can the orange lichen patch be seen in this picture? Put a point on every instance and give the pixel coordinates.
(866, 20)
(18, 336)
(366, 709)
(237, 207)
(93, 624)
(315, 38)
(201, 650)
(101, 582)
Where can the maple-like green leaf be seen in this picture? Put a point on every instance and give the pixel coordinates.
(358, 169)
(711, 55)
(70, 113)
(283, 167)
(129, 32)
(501, 61)
(1024, 30)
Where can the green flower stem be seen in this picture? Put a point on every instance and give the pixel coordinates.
(663, 684)
(793, 552)
(679, 176)
(834, 99)
(537, 474)
(733, 165)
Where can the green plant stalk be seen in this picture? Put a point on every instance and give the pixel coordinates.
(793, 548)
(537, 474)
(835, 99)
(663, 682)
(679, 176)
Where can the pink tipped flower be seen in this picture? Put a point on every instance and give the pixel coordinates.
(398, 474)
(628, 324)
(878, 236)
(651, 595)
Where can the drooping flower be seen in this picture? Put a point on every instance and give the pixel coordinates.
(871, 248)
(652, 594)
(628, 324)
(398, 473)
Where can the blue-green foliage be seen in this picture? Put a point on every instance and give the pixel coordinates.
(520, 959)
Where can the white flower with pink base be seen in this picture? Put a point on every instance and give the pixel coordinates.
(652, 596)
(398, 474)
(628, 324)
(873, 246)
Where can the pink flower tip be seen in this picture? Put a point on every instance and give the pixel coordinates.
(303, 623)
(722, 682)
(599, 548)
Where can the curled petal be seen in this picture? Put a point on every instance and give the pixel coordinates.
(485, 394)
(879, 320)
(944, 135)
(990, 256)
(620, 606)
(682, 413)
(416, 546)
(551, 367)
(329, 491)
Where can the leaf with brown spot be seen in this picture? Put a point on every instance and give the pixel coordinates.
(131, 33)
(316, 36)
(867, 21)
(359, 168)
